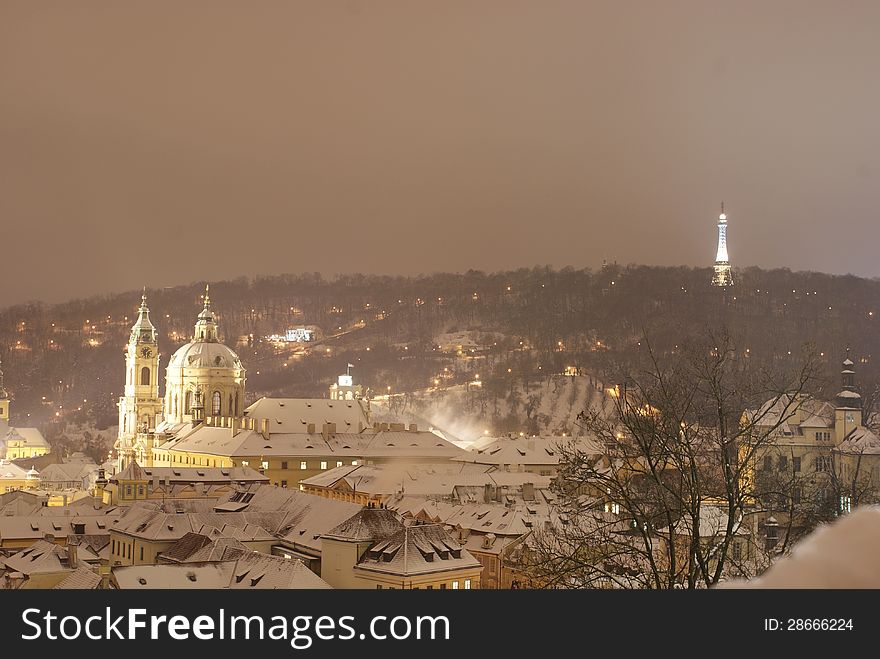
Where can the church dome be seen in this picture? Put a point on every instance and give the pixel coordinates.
(201, 354)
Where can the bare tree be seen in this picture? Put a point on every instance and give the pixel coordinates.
(671, 501)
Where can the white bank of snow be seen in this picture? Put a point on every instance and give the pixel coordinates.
(839, 555)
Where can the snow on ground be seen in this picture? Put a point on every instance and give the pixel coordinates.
(462, 416)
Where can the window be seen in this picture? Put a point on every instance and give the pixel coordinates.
(823, 463)
(323, 464)
(303, 465)
(845, 504)
(264, 464)
(187, 402)
(378, 586)
(283, 483)
(796, 464)
(339, 463)
(782, 465)
(128, 490)
(231, 409)
(140, 490)
(245, 463)
(467, 584)
(354, 463)
(443, 586)
(145, 375)
(237, 409)
(142, 553)
(454, 585)
(737, 551)
(768, 462)
(215, 404)
(796, 494)
(284, 464)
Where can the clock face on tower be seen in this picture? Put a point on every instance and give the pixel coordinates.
(146, 352)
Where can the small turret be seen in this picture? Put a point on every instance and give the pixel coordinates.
(206, 324)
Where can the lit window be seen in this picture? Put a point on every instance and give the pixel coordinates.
(323, 465)
(354, 463)
(264, 464)
(454, 585)
(245, 463)
(303, 465)
(339, 463)
(467, 584)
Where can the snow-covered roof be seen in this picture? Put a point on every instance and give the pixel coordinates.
(250, 571)
(367, 524)
(26, 437)
(417, 549)
(82, 578)
(860, 440)
(293, 415)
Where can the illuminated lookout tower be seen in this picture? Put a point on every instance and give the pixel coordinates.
(722, 276)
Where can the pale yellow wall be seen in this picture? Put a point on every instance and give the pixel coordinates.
(338, 559)
(447, 578)
(17, 449)
(12, 484)
(44, 580)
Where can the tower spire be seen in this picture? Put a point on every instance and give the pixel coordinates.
(206, 324)
(143, 330)
(722, 275)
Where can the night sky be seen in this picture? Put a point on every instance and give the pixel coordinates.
(162, 143)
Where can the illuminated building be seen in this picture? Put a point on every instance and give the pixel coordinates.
(141, 405)
(206, 367)
(723, 276)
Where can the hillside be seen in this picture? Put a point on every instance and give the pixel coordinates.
(515, 330)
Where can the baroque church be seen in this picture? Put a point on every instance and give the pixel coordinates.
(202, 422)
(202, 376)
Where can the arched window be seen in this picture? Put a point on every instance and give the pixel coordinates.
(188, 402)
(231, 409)
(215, 404)
(145, 375)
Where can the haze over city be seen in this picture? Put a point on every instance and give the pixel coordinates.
(403, 137)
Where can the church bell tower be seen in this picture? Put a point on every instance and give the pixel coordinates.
(139, 407)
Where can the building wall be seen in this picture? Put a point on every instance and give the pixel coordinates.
(129, 550)
(468, 579)
(17, 449)
(44, 580)
(338, 559)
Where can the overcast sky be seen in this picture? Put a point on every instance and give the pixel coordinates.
(162, 143)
